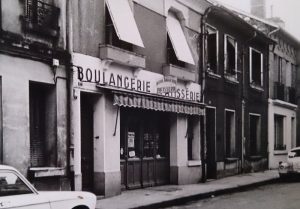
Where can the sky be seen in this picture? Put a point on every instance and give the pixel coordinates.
(287, 10)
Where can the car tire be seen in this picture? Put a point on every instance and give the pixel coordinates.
(283, 176)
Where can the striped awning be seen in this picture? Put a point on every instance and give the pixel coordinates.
(157, 103)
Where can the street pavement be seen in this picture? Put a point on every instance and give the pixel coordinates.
(155, 197)
(274, 196)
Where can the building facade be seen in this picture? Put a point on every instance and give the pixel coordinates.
(236, 93)
(33, 89)
(136, 103)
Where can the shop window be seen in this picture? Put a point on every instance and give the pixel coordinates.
(111, 36)
(230, 133)
(256, 67)
(230, 56)
(42, 125)
(255, 132)
(212, 50)
(279, 132)
(193, 139)
(143, 138)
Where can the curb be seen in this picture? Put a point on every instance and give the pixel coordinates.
(200, 196)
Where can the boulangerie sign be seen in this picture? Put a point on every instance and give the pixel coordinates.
(90, 70)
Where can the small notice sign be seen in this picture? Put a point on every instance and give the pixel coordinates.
(131, 139)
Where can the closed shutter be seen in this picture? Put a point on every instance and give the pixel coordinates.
(37, 126)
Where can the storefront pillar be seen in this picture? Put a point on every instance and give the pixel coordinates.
(76, 138)
(178, 148)
(107, 178)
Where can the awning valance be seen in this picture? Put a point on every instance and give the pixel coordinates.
(157, 103)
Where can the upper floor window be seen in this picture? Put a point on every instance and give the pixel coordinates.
(230, 56)
(256, 67)
(41, 17)
(280, 69)
(212, 49)
(179, 51)
(121, 28)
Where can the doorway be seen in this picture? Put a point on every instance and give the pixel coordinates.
(87, 143)
(144, 148)
(211, 142)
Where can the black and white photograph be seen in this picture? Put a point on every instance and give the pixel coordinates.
(149, 104)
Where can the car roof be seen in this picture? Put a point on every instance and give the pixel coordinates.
(6, 167)
(295, 149)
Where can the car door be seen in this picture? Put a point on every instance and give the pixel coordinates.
(15, 193)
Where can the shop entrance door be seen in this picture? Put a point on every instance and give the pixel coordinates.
(210, 142)
(144, 148)
(87, 145)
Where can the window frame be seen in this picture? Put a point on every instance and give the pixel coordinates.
(233, 153)
(214, 71)
(226, 73)
(283, 117)
(258, 136)
(252, 82)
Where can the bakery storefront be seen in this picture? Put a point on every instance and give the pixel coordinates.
(132, 128)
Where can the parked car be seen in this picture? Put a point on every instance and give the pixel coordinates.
(292, 166)
(17, 192)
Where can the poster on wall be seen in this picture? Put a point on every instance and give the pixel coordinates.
(131, 139)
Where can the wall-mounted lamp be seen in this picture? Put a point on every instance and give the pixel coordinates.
(55, 64)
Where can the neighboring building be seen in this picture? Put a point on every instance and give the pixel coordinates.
(282, 104)
(33, 91)
(236, 94)
(136, 96)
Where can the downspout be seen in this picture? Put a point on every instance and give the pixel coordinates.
(202, 71)
(1, 122)
(243, 101)
(69, 37)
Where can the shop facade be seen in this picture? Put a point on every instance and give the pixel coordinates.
(132, 128)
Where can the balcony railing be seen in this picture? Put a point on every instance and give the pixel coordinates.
(279, 91)
(42, 18)
(280, 147)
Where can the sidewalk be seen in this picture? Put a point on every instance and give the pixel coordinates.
(154, 197)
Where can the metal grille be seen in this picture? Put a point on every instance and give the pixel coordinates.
(42, 14)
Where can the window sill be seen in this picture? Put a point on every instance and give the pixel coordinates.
(47, 171)
(231, 79)
(213, 75)
(194, 163)
(255, 157)
(257, 87)
(231, 159)
(280, 152)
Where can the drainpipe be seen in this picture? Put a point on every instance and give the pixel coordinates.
(202, 71)
(75, 168)
(244, 77)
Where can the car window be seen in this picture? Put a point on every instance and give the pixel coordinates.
(11, 184)
(297, 153)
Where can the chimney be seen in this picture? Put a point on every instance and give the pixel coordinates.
(258, 8)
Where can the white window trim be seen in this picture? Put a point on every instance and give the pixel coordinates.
(261, 67)
(259, 126)
(217, 49)
(234, 121)
(284, 131)
(215, 139)
(225, 54)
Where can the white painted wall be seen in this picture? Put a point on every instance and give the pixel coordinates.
(288, 111)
